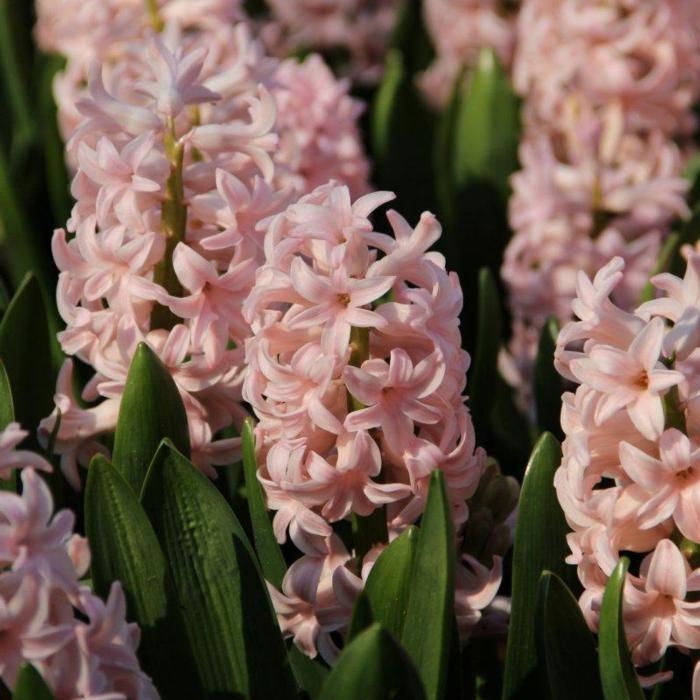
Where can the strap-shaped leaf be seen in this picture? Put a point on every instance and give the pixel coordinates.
(568, 660)
(402, 139)
(224, 604)
(7, 407)
(373, 666)
(7, 415)
(309, 673)
(488, 127)
(540, 544)
(31, 686)
(616, 669)
(484, 372)
(361, 617)
(151, 410)
(428, 626)
(266, 546)
(25, 350)
(125, 548)
(389, 582)
(548, 382)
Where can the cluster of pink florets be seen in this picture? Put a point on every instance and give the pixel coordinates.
(178, 157)
(358, 28)
(460, 29)
(629, 482)
(609, 90)
(356, 375)
(41, 563)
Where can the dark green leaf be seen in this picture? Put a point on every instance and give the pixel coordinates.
(266, 546)
(568, 660)
(7, 408)
(54, 154)
(361, 617)
(616, 670)
(488, 127)
(16, 62)
(484, 371)
(125, 548)
(25, 351)
(31, 686)
(540, 544)
(309, 673)
(411, 37)
(402, 139)
(151, 409)
(389, 582)
(7, 415)
(548, 383)
(428, 626)
(373, 666)
(225, 607)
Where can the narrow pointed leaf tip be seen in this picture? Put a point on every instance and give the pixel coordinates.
(428, 625)
(540, 544)
(616, 670)
(151, 410)
(226, 610)
(373, 666)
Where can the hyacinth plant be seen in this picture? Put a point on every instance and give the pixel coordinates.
(262, 436)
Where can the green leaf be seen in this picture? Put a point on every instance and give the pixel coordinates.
(224, 604)
(402, 139)
(25, 351)
(389, 582)
(540, 544)
(428, 626)
(411, 38)
(125, 548)
(488, 128)
(31, 686)
(361, 617)
(616, 669)
(484, 371)
(548, 384)
(7, 407)
(56, 173)
(7, 415)
(309, 673)
(151, 409)
(373, 666)
(568, 660)
(266, 546)
(16, 67)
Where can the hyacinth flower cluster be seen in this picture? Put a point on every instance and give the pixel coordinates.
(460, 29)
(629, 482)
(317, 119)
(356, 374)
(82, 646)
(177, 160)
(608, 94)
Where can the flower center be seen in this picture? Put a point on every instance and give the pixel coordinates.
(685, 473)
(343, 299)
(642, 380)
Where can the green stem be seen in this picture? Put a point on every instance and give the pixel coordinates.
(673, 412)
(174, 224)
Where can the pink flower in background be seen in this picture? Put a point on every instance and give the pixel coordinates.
(629, 480)
(359, 27)
(82, 647)
(356, 375)
(12, 458)
(606, 114)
